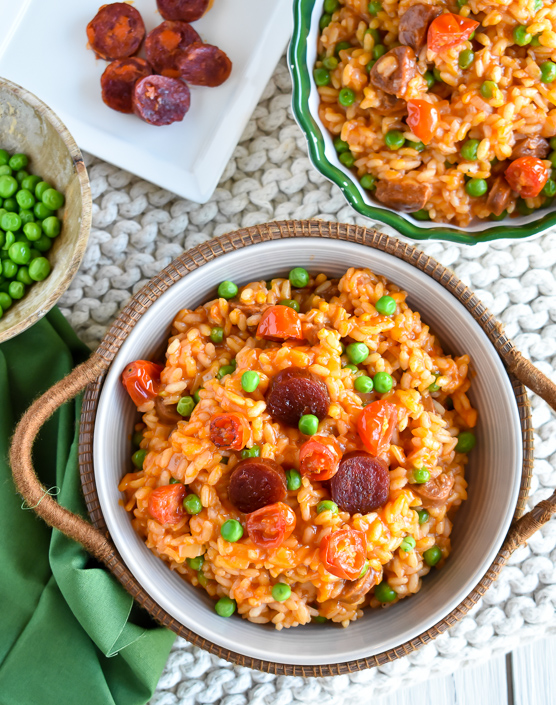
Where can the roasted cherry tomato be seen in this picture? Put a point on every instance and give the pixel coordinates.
(344, 553)
(319, 458)
(166, 504)
(229, 431)
(142, 380)
(270, 526)
(449, 30)
(422, 119)
(527, 176)
(376, 426)
(280, 323)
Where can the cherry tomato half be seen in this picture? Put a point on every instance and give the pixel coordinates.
(319, 458)
(142, 380)
(376, 426)
(280, 323)
(422, 119)
(527, 176)
(344, 552)
(166, 503)
(270, 526)
(449, 30)
(229, 431)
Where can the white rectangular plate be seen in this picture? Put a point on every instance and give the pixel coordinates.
(43, 47)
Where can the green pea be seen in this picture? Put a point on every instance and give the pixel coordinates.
(549, 189)
(299, 277)
(43, 244)
(34, 254)
(535, 42)
(293, 479)
(363, 384)
(185, 406)
(488, 89)
(225, 607)
(291, 303)
(8, 186)
(432, 556)
(466, 442)
(435, 387)
(417, 146)
(347, 159)
(40, 188)
(340, 146)
(281, 592)
(4, 157)
(224, 460)
(26, 216)
(537, 5)
(192, 504)
(383, 382)
(368, 181)
(357, 353)
(429, 78)
(11, 205)
(522, 36)
(330, 63)
(41, 211)
(250, 381)
(253, 452)
(502, 215)
(374, 7)
(308, 424)
(18, 161)
(375, 34)
(325, 21)
(469, 150)
(461, 3)
(138, 458)
(30, 182)
(20, 253)
(394, 139)
(196, 395)
(364, 570)
(137, 438)
(51, 226)
(16, 290)
(423, 515)
(5, 300)
(173, 481)
(346, 97)
(39, 269)
(384, 593)
(231, 530)
(341, 46)
(203, 582)
(522, 207)
(217, 335)
(319, 619)
(420, 476)
(408, 544)
(25, 199)
(321, 76)
(476, 187)
(386, 305)
(327, 506)
(352, 368)
(225, 370)
(437, 76)
(196, 563)
(421, 215)
(331, 6)
(21, 175)
(227, 290)
(370, 65)
(378, 51)
(10, 221)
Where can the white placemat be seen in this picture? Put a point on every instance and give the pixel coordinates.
(138, 229)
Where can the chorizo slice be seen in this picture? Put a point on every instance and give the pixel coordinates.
(394, 70)
(362, 483)
(499, 196)
(118, 80)
(355, 590)
(390, 105)
(255, 483)
(414, 25)
(187, 10)
(204, 65)
(116, 31)
(403, 196)
(160, 100)
(164, 45)
(531, 147)
(167, 413)
(294, 392)
(249, 309)
(436, 490)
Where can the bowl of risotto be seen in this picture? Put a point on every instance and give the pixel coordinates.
(306, 452)
(436, 118)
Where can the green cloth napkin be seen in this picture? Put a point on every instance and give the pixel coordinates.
(69, 633)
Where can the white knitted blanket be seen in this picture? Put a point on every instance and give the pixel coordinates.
(138, 229)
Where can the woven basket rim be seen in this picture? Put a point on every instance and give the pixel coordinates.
(206, 252)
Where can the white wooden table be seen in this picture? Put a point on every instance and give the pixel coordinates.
(527, 676)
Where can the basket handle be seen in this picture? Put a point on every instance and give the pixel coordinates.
(26, 481)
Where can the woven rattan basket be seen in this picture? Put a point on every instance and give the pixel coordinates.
(91, 374)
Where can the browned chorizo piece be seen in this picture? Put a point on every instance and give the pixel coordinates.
(531, 147)
(328, 289)
(390, 105)
(393, 71)
(204, 65)
(118, 80)
(294, 392)
(116, 31)
(256, 483)
(167, 413)
(437, 490)
(160, 100)
(499, 195)
(165, 44)
(403, 196)
(355, 590)
(249, 309)
(187, 10)
(362, 483)
(414, 25)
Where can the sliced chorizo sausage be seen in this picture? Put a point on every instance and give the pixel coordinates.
(393, 71)
(118, 80)
(355, 590)
(204, 65)
(362, 483)
(414, 25)
(167, 413)
(436, 490)
(116, 31)
(390, 105)
(294, 392)
(164, 45)
(531, 147)
(160, 100)
(187, 10)
(256, 483)
(498, 196)
(403, 196)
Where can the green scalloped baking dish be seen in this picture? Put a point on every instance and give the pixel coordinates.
(301, 58)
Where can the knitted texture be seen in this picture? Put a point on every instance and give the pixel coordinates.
(139, 228)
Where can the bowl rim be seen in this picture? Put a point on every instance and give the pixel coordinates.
(207, 252)
(86, 207)
(302, 80)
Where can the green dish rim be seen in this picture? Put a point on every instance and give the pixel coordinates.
(302, 84)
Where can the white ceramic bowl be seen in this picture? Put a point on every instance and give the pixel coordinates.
(494, 470)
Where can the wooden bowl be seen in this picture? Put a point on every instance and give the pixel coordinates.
(27, 125)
